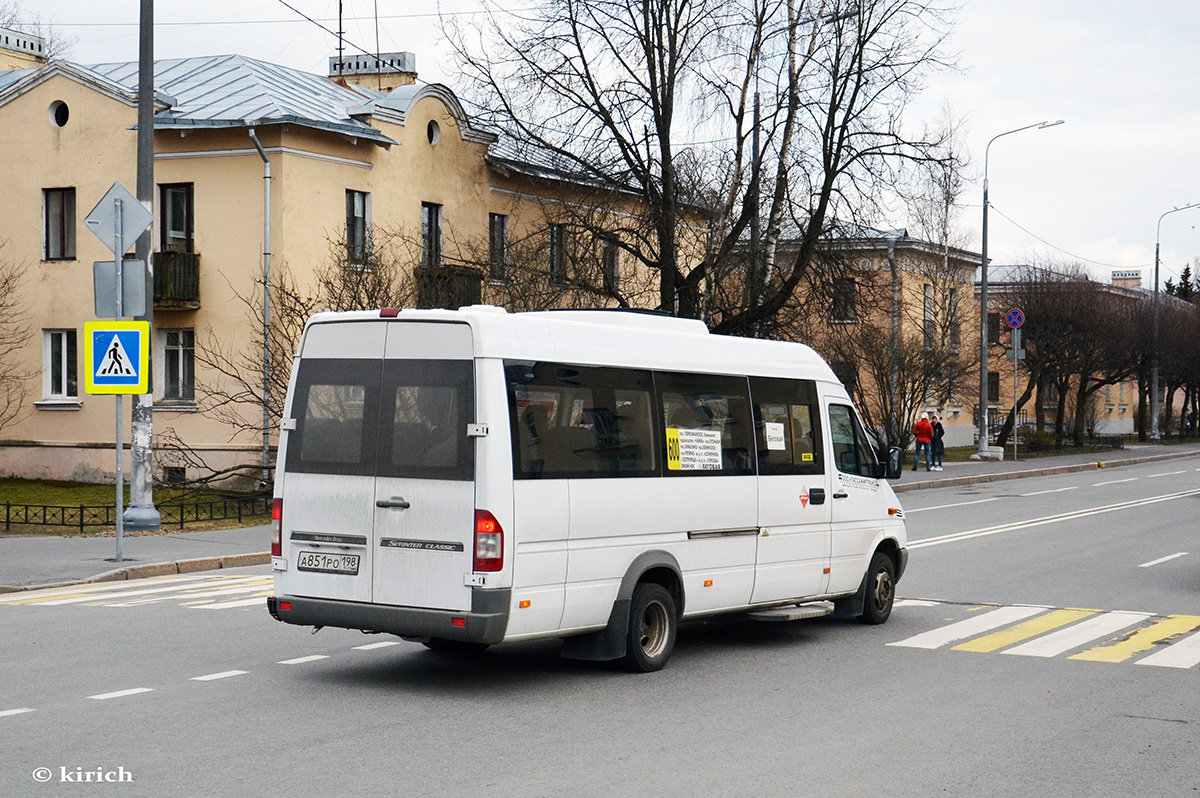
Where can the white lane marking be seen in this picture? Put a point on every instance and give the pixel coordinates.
(1184, 654)
(1115, 482)
(5, 713)
(914, 603)
(121, 693)
(944, 506)
(955, 537)
(1164, 474)
(229, 605)
(1056, 490)
(232, 591)
(214, 676)
(1077, 634)
(1163, 559)
(386, 643)
(302, 660)
(123, 584)
(970, 627)
(146, 591)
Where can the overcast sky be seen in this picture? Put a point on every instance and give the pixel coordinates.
(1123, 75)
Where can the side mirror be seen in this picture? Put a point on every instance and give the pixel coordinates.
(894, 466)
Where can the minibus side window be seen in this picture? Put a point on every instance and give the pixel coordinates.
(335, 405)
(426, 406)
(708, 426)
(787, 426)
(851, 450)
(574, 422)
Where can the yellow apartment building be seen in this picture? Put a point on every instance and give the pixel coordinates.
(367, 150)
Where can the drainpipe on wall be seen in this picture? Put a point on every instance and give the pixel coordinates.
(266, 311)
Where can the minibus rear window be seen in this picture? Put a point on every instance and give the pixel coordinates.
(426, 406)
(336, 410)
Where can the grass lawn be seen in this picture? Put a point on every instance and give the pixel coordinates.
(73, 494)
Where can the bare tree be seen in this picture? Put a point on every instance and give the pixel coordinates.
(15, 331)
(655, 100)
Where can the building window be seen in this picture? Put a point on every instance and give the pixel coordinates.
(610, 257)
(179, 364)
(178, 217)
(993, 387)
(59, 229)
(955, 328)
(498, 245)
(558, 253)
(930, 337)
(431, 235)
(993, 329)
(843, 300)
(58, 365)
(358, 226)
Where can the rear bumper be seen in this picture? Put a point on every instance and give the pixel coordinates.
(486, 622)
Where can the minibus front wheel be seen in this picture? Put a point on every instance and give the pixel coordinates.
(653, 621)
(881, 589)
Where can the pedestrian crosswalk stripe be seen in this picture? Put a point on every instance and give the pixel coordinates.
(1024, 631)
(1141, 640)
(986, 622)
(1184, 654)
(183, 590)
(38, 594)
(257, 601)
(1079, 634)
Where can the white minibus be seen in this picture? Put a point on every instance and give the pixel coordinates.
(472, 477)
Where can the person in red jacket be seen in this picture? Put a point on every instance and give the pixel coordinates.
(923, 431)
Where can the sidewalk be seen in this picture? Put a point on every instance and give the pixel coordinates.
(27, 562)
(992, 471)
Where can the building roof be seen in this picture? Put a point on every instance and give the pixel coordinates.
(236, 91)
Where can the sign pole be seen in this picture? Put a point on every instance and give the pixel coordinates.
(1016, 344)
(120, 404)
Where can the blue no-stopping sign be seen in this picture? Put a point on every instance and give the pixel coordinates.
(1014, 318)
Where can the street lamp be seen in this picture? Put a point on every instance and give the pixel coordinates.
(1155, 437)
(983, 298)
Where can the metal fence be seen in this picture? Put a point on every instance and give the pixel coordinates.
(82, 516)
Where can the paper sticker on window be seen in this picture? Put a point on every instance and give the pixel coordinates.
(775, 436)
(693, 449)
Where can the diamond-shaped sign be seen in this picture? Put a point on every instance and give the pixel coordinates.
(103, 219)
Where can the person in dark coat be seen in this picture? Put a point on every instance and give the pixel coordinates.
(939, 446)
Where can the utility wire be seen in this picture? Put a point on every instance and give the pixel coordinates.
(1060, 249)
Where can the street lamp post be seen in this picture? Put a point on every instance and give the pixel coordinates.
(1155, 436)
(983, 294)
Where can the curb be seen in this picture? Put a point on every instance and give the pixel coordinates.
(155, 569)
(1038, 472)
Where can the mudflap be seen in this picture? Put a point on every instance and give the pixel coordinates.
(852, 606)
(607, 644)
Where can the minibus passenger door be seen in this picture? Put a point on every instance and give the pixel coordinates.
(857, 498)
(793, 498)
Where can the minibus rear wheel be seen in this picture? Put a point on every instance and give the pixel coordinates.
(881, 589)
(653, 621)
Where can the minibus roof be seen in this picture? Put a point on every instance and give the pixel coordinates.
(611, 338)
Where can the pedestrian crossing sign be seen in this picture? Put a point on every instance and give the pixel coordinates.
(117, 355)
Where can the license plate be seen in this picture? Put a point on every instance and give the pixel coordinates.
(327, 563)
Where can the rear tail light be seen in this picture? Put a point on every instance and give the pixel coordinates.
(277, 520)
(489, 542)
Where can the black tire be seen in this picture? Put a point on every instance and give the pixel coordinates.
(653, 621)
(881, 590)
(454, 646)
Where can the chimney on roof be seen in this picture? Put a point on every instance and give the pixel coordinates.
(383, 72)
(1129, 278)
(21, 50)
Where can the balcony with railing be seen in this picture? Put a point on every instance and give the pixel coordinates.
(176, 280)
(449, 287)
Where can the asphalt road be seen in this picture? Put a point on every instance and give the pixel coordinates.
(186, 686)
